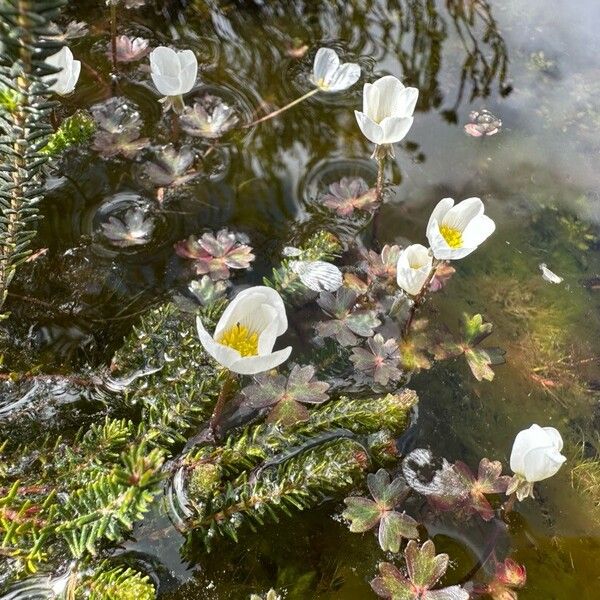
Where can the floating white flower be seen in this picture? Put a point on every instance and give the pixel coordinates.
(66, 79)
(388, 108)
(455, 231)
(535, 456)
(244, 337)
(173, 73)
(329, 75)
(414, 266)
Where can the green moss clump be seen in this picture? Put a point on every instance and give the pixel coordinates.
(74, 130)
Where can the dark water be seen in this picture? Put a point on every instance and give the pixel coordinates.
(536, 66)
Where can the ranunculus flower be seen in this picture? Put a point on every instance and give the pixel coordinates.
(387, 112)
(536, 453)
(244, 337)
(413, 268)
(66, 79)
(173, 73)
(331, 76)
(455, 231)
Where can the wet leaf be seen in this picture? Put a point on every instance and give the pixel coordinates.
(133, 229)
(210, 117)
(286, 395)
(479, 362)
(482, 123)
(350, 194)
(347, 322)
(364, 514)
(380, 361)
(424, 569)
(382, 266)
(476, 330)
(207, 291)
(172, 168)
(443, 274)
(130, 49)
(215, 255)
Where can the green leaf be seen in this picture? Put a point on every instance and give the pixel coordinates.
(475, 329)
(425, 568)
(479, 362)
(362, 513)
(393, 527)
(391, 583)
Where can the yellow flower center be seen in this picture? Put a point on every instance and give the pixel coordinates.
(240, 338)
(452, 236)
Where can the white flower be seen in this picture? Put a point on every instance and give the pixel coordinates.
(65, 80)
(536, 453)
(413, 268)
(331, 76)
(173, 73)
(387, 112)
(455, 231)
(246, 333)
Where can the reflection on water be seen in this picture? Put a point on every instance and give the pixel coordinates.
(110, 226)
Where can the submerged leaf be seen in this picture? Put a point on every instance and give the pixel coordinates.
(379, 362)
(210, 117)
(350, 194)
(172, 167)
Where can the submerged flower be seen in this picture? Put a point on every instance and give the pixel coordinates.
(173, 73)
(133, 229)
(413, 269)
(350, 194)
(65, 80)
(130, 49)
(456, 231)
(244, 337)
(215, 255)
(535, 456)
(210, 118)
(329, 75)
(387, 112)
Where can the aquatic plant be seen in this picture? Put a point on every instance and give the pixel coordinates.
(24, 125)
(174, 74)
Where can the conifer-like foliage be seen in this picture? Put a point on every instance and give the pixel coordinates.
(24, 124)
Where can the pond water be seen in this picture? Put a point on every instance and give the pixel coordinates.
(536, 66)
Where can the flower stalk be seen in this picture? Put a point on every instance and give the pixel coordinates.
(277, 112)
(419, 299)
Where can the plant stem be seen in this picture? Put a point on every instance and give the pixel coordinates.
(277, 112)
(224, 395)
(380, 157)
(113, 33)
(419, 299)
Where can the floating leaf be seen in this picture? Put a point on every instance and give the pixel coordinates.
(424, 570)
(347, 321)
(482, 123)
(215, 255)
(172, 167)
(382, 266)
(350, 194)
(364, 514)
(443, 273)
(130, 49)
(286, 395)
(380, 361)
(207, 291)
(133, 229)
(509, 576)
(208, 118)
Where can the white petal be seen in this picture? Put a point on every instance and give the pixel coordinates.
(267, 339)
(370, 100)
(438, 213)
(410, 97)
(347, 75)
(413, 268)
(478, 230)
(549, 275)
(318, 275)
(222, 354)
(459, 216)
(188, 69)
(555, 437)
(526, 439)
(369, 128)
(541, 463)
(250, 365)
(395, 129)
(326, 63)
(165, 70)
(390, 97)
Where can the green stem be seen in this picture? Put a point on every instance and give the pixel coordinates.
(224, 395)
(380, 157)
(277, 112)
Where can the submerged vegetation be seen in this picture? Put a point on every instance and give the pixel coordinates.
(277, 379)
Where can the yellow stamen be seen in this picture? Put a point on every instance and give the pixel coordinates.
(452, 236)
(240, 338)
